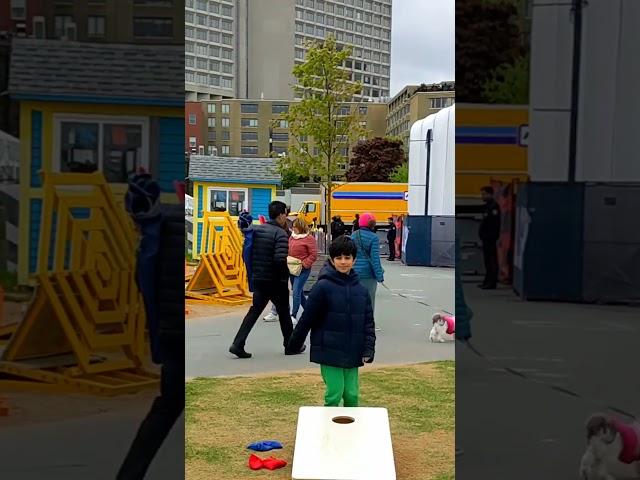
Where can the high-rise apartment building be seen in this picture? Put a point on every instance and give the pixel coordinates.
(252, 53)
(276, 40)
(211, 35)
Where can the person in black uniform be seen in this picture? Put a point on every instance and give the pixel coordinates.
(337, 227)
(391, 239)
(356, 223)
(489, 234)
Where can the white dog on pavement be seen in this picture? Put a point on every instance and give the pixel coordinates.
(443, 328)
(613, 449)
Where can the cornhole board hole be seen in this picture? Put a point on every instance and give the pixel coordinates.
(334, 443)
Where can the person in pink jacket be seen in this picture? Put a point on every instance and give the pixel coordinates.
(302, 245)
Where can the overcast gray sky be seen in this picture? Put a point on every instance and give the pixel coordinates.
(422, 42)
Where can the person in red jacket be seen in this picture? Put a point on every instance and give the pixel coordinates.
(302, 246)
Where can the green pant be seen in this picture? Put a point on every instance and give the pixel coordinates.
(342, 383)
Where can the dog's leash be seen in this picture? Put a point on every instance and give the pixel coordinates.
(555, 388)
(425, 304)
(517, 373)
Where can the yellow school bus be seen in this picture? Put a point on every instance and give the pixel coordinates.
(491, 145)
(383, 200)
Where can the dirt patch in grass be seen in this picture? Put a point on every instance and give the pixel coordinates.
(224, 415)
(203, 310)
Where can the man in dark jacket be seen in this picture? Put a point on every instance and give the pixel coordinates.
(489, 234)
(391, 239)
(270, 277)
(159, 273)
(337, 227)
(339, 314)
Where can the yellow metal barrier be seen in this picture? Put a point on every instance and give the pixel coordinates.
(85, 329)
(221, 276)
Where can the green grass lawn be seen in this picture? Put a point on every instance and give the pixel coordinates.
(224, 415)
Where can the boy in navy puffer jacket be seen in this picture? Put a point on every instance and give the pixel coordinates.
(340, 317)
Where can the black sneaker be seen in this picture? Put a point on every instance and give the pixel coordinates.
(287, 352)
(239, 352)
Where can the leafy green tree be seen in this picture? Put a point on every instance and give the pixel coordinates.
(322, 115)
(400, 174)
(487, 36)
(509, 83)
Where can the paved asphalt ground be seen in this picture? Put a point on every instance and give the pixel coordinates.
(402, 339)
(511, 428)
(88, 447)
(92, 445)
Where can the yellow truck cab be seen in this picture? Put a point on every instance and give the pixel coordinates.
(383, 200)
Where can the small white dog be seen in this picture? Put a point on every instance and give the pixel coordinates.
(443, 329)
(613, 449)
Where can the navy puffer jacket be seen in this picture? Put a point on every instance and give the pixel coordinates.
(159, 266)
(340, 317)
(269, 254)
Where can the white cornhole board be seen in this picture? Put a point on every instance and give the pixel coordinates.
(326, 450)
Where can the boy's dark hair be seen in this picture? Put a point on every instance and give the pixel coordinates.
(343, 245)
(488, 190)
(276, 208)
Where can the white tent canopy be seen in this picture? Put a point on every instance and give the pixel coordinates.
(439, 157)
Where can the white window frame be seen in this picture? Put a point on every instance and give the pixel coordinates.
(58, 118)
(21, 6)
(228, 190)
(39, 20)
(104, 26)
